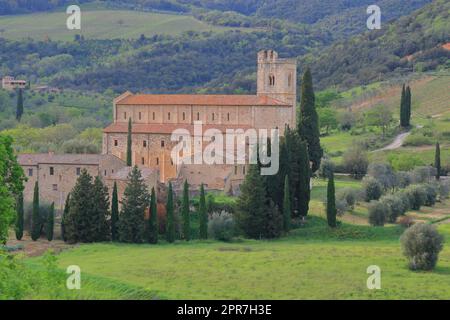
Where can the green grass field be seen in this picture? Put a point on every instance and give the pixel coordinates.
(100, 24)
(312, 262)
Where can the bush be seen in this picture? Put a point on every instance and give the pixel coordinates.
(417, 140)
(372, 189)
(421, 245)
(431, 194)
(377, 213)
(404, 198)
(423, 174)
(417, 195)
(395, 205)
(383, 173)
(349, 195)
(341, 207)
(326, 168)
(221, 226)
(444, 190)
(355, 161)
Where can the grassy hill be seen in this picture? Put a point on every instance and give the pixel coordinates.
(100, 24)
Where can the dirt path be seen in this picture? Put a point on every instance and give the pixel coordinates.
(398, 141)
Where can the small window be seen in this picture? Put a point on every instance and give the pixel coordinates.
(289, 80)
(52, 171)
(228, 116)
(243, 169)
(212, 117)
(116, 143)
(30, 172)
(104, 173)
(154, 116)
(140, 116)
(184, 116)
(168, 116)
(235, 169)
(78, 171)
(162, 143)
(198, 115)
(55, 187)
(157, 161)
(171, 161)
(143, 161)
(125, 115)
(112, 170)
(144, 143)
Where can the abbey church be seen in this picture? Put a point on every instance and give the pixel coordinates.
(154, 118)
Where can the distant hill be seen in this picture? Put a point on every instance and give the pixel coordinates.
(412, 43)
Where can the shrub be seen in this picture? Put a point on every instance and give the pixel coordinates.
(355, 161)
(405, 200)
(326, 168)
(341, 206)
(377, 213)
(221, 226)
(349, 195)
(431, 194)
(372, 188)
(421, 245)
(417, 140)
(404, 161)
(444, 190)
(422, 174)
(383, 173)
(417, 195)
(395, 205)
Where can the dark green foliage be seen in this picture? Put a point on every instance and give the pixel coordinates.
(170, 226)
(403, 112)
(417, 195)
(407, 106)
(19, 108)
(135, 201)
(64, 217)
(36, 223)
(421, 244)
(129, 143)
(50, 222)
(221, 226)
(377, 213)
(203, 215)
(114, 214)
(372, 189)
(100, 212)
(437, 161)
(185, 213)
(304, 190)
(331, 203)
(153, 219)
(287, 212)
(308, 125)
(19, 218)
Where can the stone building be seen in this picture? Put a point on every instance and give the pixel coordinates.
(154, 119)
(9, 83)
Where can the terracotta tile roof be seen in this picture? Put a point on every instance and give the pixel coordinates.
(167, 128)
(204, 100)
(446, 46)
(32, 159)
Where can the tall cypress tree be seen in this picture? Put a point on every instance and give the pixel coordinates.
(35, 217)
(19, 219)
(50, 222)
(304, 190)
(135, 201)
(252, 204)
(19, 108)
(408, 106)
(114, 214)
(100, 226)
(437, 161)
(153, 219)
(170, 229)
(403, 108)
(286, 206)
(331, 202)
(308, 124)
(129, 143)
(203, 215)
(185, 212)
(64, 217)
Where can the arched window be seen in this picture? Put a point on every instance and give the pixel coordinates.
(198, 115)
(271, 80)
(140, 115)
(157, 161)
(184, 116)
(125, 115)
(212, 116)
(289, 79)
(153, 116)
(168, 116)
(228, 116)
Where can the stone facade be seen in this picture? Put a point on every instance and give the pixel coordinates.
(10, 84)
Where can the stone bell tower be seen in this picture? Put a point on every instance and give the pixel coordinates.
(277, 78)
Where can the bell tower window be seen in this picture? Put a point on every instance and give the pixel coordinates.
(271, 80)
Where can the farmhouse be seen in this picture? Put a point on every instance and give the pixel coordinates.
(155, 117)
(9, 83)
